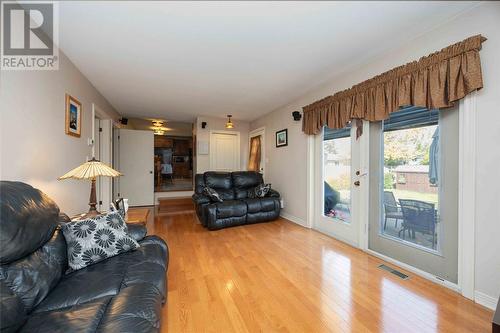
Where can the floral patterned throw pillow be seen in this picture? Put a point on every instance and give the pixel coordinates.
(259, 191)
(95, 239)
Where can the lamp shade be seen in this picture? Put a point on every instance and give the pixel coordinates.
(91, 170)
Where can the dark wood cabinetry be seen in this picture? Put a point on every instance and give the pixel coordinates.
(181, 147)
(162, 141)
(173, 161)
(181, 169)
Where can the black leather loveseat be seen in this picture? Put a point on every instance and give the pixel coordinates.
(120, 294)
(237, 208)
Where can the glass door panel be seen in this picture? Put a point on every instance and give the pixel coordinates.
(413, 205)
(337, 178)
(337, 184)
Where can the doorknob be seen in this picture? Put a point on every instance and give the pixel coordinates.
(357, 183)
(150, 171)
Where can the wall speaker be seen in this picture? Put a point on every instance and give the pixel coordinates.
(296, 115)
(124, 121)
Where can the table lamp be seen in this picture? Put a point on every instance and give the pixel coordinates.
(91, 170)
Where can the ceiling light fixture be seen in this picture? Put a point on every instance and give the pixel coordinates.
(158, 131)
(229, 123)
(158, 128)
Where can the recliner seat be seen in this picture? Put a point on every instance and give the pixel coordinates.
(120, 294)
(237, 208)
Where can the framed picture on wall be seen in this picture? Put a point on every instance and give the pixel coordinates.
(73, 116)
(282, 138)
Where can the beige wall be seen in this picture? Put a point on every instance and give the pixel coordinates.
(34, 146)
(287, 171)
(285, 167)
(217, 124)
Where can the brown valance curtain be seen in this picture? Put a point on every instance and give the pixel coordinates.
(434, 81)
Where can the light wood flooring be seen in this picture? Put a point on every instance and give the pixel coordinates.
(280, 277)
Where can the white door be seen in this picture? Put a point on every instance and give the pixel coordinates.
(96, 154)
(136, 164)
(225, 151)
(338, 182)
(105, 156)
(414, 190)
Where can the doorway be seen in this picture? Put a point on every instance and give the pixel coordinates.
(225, 151)
(173, 159)
(257, 150)
(102, 150)
(337, 182)
(414, 190)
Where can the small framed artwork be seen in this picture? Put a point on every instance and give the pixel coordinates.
(282, 138)
(73, 116)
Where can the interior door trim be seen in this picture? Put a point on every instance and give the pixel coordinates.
(238, 147)
(262, 132)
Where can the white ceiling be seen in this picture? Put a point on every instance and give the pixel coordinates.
(177, 60)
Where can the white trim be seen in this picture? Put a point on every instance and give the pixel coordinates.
(416, 271)
(294, 219)
(467, 195)
(105, 148)
(238, 147)
(172, 194)
(310, 181)
(485, 300)
(364, 189)
(262, 132)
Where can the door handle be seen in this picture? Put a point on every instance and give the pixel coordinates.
(357, 183)
(151, 172)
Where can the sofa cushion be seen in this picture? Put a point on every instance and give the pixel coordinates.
(246, 179)
(33, 277)
(28, 219)
(135, 308)
(256, 205)
(12, 312)
(231, 208)
(218, 180)
(147, 264)
(79, 318)
(95, 239)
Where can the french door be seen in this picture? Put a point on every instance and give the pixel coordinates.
(413, 208)
(339, 178)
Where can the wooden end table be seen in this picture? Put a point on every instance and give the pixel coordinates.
(137, 215)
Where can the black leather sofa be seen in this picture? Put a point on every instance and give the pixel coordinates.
(121, 294)
(237, 208)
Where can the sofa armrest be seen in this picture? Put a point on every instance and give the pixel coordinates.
(200, 199)
(137, 230)
(273, 194)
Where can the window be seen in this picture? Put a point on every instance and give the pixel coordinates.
(337, 174)
(411, 177)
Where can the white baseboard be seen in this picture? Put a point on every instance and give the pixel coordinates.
(419, 272)
(293, 219)
(485, 300)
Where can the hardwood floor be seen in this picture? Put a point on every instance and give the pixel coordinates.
(280, 277)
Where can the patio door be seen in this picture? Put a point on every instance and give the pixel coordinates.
(339, 179)
(413, 201)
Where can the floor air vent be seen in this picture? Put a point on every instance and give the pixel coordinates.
(393, 271)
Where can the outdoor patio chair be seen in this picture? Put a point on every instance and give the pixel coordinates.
(392, 211)
(418, 216)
